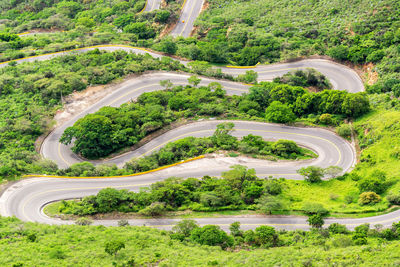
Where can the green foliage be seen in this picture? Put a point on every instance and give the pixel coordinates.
(211, 235)
(113, 246)
(305, 78)
(249, 77)
(146, 246)
(372, 185)
(154, 209)
(369, 198)
(183, 229)
(344, 130)
(83, 221)
(336, 228)
(314, 208)
(36, 94)
(312, 174)
(268, 204)
(279, 112)
(316, 221)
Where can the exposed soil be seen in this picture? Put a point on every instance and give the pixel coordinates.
(372, 75)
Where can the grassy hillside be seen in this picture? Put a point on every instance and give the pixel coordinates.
(246, 32)
(28, 244)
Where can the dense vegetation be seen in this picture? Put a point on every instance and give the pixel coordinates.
(189, 147)
(111, 129)
(31, 93)
(309, 78)
(248, 32)
(37, 244)
(240, 189)
(85, 23)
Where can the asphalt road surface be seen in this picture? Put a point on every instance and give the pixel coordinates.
(25, 199)
(190, 12)
(152, 5)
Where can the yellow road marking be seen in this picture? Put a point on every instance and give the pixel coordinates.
(73, 189)
(248, 130)
(186, 22)
(145, 5)
(184, 3)
(124, 95)
(76, 49)
(119, 176)
(168, 225)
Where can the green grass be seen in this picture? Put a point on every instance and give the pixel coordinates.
(331, 194)
(84, 246)
(379, 135)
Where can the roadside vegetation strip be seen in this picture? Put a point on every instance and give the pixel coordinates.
(77, 49)
(144, 8)
(119, 176)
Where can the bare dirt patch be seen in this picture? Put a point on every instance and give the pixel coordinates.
(372, 75)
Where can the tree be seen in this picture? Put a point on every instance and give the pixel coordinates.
(312, 174)
(194, 80)
(141, 29)
(211, 235)
(333, 171)
(185, 227)
(238, 175)
(162, 16)
(266, 236)
(93, 136)
(280, 113)
(234, 228)
(316, 221)
(222, 138)
(268, 204)
(168, 46)
(108, 199)
(112, 247)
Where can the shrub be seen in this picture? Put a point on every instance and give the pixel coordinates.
(325, 119)
(314, 208)
(342, 241)
(316, 221)
(272, 187)
(234, 228)
(344, 130)
(336, 228)
(368, 198)
(123, 223)
(211, 235)
(112, 247)
(372, 185)
(266, 236)
(155, 209)
(83, 221)
(393, 198)
(185, 227)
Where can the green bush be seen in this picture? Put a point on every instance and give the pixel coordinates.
(369, 198)
(344, 130)
(211, 235)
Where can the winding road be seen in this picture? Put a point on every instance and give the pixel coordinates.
(26, 198)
